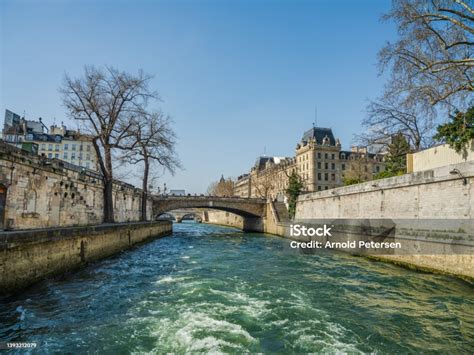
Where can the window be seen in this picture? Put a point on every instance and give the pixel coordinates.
(377, 168)
(66, 146)
(333, 166)
(50, 155)
(88, 157)
(88, 165)
(319, 165)
(326, 166)
(343, 156)
(73, 146)
(319, 176)
(43, 146)
(333, 177)
(325, 155)
(333, 156)
(365, 168)
(65, 155)
(56, 155)
(73, 156)
(319, 188)
(50, 147)
(325, 187)
(343, 166)
(319, 155)
(56, 148)
(326, 176)
(88, 148)
(81, 147)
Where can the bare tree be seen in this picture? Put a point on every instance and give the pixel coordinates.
(264, 185)
(388, 117)
(150, 140)
(433, 59)
(222, 188)
(107, 100)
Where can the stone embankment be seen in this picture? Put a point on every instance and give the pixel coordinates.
(29, 256)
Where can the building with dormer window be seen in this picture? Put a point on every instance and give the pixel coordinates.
(319, 161)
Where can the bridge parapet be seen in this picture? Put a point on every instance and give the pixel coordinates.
(246, 207)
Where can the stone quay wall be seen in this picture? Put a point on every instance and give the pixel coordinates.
(431, 194)
(432, 212)
(42, 193)
(222, 218)
(29, 256)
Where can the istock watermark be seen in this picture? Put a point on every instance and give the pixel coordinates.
(384, 236)
(297, 230)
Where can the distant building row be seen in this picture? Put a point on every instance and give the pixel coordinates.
(57, 142)
(319, 161)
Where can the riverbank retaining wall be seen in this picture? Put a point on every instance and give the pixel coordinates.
(36, 192)
(222, 218)
(431, 213)
(31, 255)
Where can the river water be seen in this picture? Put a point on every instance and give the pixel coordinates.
(209, 288)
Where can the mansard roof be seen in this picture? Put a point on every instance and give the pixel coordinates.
(319, 133)
(261, 161)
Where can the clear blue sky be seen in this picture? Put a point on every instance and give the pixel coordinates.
(236, 76)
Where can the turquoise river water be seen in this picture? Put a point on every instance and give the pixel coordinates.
(215, 289)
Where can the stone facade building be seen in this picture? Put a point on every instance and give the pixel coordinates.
(37, 192)
(57, 142)
(69, 146)
(319, 161)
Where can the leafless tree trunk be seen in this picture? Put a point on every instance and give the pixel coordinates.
(107, 100)
(150, 140)
(264, 185)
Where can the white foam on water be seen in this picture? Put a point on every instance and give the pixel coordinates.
(242, 302)
(326, 336)
(171, 279)
(280, 322)
(208, 344)
(197, 331)
(22, 312)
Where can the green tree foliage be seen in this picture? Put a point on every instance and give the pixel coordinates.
(352, 181)
(396, 158)
(295, 185)
(459, 132)
(387, 174)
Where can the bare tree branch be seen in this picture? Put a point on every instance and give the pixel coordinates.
(106, 100)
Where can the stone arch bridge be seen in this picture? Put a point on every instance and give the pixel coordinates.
(179, 215)
(251, 209)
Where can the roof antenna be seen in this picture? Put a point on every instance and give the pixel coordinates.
(315, 123)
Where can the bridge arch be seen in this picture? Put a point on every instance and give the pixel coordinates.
(166, 216)
(244, 207)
